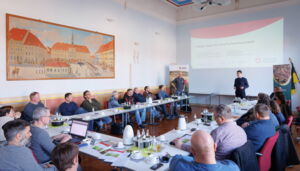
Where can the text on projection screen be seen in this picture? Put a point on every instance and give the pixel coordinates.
(249, 44)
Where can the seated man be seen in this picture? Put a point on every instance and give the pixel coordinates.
(69, 107)
(7, 113)
(15, 155)
(90, 104)
(139, 98)
(113, 101)
(35, 102)
(265, 99)
(147, 93)
(65, 157)
(204, 156)
(41, 143)
(247, 118)
(228, 136)
(128, 98)
(162, 94)
(261, 129)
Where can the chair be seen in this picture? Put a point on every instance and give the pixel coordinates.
(264, 159)
(290, 121)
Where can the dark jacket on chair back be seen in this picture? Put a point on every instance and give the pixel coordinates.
(245, 157)
(284, 153)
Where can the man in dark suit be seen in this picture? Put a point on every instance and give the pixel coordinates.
(240, 84)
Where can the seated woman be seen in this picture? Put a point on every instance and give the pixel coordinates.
(90, 104)
(284, 107)
(7, 113)
(128, 98)
(277, 112)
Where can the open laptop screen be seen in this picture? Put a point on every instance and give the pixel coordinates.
(79, 128)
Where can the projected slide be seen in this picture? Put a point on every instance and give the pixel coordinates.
(250, 44)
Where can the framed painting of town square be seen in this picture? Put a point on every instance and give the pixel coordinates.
(40, 50)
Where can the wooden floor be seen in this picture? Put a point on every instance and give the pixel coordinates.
(91, 164)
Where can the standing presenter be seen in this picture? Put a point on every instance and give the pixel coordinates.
(240, 84)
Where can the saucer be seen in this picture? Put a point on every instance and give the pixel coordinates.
(119, 148)
(134, 156)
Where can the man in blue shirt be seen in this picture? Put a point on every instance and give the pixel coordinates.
(69, 107)
(138, 97)
(41, 143)
(162, 94)
(261, 129)
(113, 101)
(204, 156)
(240, 84)
(35, 102)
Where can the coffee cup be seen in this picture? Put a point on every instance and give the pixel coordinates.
(87, 117)
(152, 159)
(96, 136)
(136, 155)
(162, 138)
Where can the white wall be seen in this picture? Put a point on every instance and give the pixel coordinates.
(289, 10)
(156, 41)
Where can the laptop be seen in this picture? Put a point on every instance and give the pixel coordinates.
(78, 131)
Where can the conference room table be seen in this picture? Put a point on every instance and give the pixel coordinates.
(124, 161)
(238, 109)
(89, 116)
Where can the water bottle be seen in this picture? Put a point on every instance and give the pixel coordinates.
(138, 134)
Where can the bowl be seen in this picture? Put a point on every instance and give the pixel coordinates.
(126, 107)
(57, 122)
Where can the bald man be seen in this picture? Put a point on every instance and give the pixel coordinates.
(204, 156)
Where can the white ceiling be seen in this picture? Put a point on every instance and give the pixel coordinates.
(192, 11)
(168, 12)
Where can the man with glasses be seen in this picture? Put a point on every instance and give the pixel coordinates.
(41, 143)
